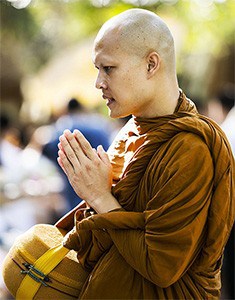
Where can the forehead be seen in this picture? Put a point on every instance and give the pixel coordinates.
(107, 48)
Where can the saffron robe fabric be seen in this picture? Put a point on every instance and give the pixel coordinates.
(174, 178)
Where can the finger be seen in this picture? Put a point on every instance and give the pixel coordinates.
(75, 146)
(60, 146)
(68, 154)
(85, 145)
(59, 160)
(103, 155)
(65, 163)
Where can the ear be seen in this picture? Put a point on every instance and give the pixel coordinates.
(153, 63)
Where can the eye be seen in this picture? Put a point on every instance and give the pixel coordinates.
(107, 69)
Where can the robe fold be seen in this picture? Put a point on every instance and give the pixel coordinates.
(174, 178)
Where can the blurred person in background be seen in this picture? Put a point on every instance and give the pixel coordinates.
(161, 200)
(30, 187)
(26, 178)
(10, 143)
(95, 128)
(220, 105)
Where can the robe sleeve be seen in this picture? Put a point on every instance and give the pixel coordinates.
(162, 242)
(90, 245)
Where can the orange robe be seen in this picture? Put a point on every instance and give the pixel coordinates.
(174, 178)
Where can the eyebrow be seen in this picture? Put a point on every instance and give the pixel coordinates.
(103, 65)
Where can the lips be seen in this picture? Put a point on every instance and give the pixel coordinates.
(110, 100)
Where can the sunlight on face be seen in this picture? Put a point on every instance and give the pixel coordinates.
(120, 76)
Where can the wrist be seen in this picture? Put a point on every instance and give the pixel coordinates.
(105, 204)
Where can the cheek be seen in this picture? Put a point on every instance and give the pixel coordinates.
(129, 81)
(122, 85)
(134, 84)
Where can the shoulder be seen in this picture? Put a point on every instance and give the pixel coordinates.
(190, 145)
(188, 141)
(184, 149)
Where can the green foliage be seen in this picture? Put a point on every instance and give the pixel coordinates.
(18, 23)
(44, 27)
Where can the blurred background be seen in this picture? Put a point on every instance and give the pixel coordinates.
(47, 85)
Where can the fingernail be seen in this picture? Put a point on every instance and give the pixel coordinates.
(67, 131)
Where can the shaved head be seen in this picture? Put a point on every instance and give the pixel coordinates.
(139, 32)
(135, 57)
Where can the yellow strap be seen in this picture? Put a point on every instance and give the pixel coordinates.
(46, 263)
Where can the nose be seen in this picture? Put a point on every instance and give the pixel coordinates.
(100, 82)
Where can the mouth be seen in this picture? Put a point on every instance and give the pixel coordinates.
(109, 101)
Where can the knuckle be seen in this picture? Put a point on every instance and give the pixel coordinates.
(85, 146)
(75, 179)
(96, 163)
(71, 156)
(66, 163)
(87, 166)
(65, 143)
(76, 150)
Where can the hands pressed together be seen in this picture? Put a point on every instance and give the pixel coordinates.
(89, 171)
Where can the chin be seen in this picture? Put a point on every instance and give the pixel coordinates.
(113, 116)
(116, 115)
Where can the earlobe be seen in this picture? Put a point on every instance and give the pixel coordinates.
(153, 63)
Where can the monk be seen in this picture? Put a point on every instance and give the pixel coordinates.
(160, 202)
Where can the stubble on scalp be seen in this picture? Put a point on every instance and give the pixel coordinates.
(139, 32)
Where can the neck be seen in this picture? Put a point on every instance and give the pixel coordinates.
(166, 96)
(163, 95)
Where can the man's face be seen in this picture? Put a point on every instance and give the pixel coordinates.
(121, 77)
